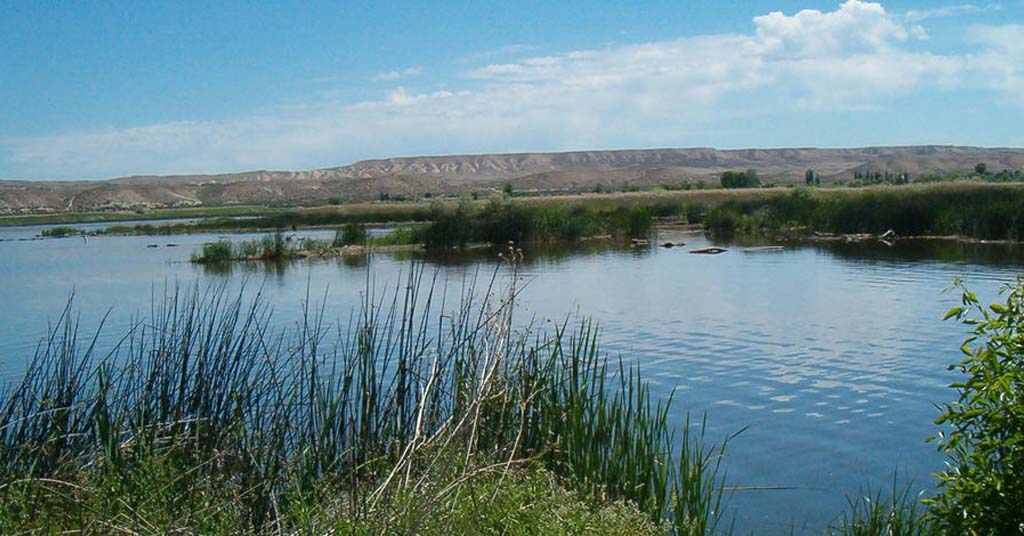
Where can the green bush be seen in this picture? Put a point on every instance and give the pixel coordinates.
(740, 179)
(352, 234)
(982, 489)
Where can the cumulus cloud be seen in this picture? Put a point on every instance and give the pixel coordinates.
(859, 56)
(853, 28)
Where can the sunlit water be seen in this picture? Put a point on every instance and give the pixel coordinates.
(831, 356)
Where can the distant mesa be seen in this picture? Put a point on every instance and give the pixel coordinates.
(396, 179)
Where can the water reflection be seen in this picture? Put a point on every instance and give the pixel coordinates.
(534, 255)
(930, 250)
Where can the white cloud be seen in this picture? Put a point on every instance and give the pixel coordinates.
(855, 27)
(507, 50)
(650, 94)
(916, 15)
(389, 76)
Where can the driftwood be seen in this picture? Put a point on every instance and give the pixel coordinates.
(709, 250)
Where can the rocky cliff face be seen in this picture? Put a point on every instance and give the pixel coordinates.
(444, 175)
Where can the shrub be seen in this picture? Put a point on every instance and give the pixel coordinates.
(982, 489)
(354, 233)
(740, 179)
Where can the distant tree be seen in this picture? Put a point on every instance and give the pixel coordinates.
(809, 177)
(383, 196)
(740, 179)
(508, 188)
(980, 168)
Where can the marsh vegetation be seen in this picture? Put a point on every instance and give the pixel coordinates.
(412, 418)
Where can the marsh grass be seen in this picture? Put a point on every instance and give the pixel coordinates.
(204, 418)
(983, 211)
(500, 221)
(60, 231)
(896, 513)
(269, 247)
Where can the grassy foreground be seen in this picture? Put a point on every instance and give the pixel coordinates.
(413, 419)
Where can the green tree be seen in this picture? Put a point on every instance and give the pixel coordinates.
(980, 168)
(740, 179)
(982, 489)
(809, 177)
(508, 188)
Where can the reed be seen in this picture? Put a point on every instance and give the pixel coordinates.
(205, 418)
(269, 247)
(896, 513)
(975, 210)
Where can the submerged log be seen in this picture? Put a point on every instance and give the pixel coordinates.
(709, 250)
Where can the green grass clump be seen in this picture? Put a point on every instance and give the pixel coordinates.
(524, 502)
(898, 513)
(205, 419)
(270, 247)
(60, 232)
(219, 251)
(399, 236)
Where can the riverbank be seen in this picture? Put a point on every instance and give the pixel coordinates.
(981, 211)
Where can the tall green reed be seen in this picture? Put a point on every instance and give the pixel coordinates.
(415, 391)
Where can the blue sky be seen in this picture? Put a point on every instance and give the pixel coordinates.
(104, 89)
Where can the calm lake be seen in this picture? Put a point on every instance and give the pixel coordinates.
(833, 356)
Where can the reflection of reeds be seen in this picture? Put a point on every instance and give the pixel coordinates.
(202, 417)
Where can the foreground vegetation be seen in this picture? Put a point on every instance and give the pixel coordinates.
(203, 419)
(981, 490)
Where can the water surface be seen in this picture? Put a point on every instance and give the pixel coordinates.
(831, 355)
